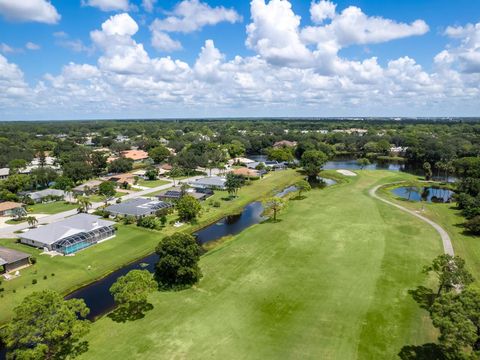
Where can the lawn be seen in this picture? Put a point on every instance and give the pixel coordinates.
(152, 183)
(51, 208)
(131, 243)
(450, 218)
(329, 281)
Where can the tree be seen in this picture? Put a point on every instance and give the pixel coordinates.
(77, 170)
(98, 162)
(473, 225)
(151, 174)
(64, 183)
(84, 204)
(107, 190)
(188, 208)
(131, 291)
(363, 162)
(275, 204)
(159, 154)
(235, 149)
(215, 157)
(233, 183)
(177, 267)
(312, 162)
(451, 273)
(32, 220)
(175, 173)
(16, 164)
(302, 186)
(42, 177)
(457, 316)
(120, 165)
(45, 326)
(281, 154)
(427, 168)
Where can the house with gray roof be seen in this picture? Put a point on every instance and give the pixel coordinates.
(12, 260)
(138, 207)
(71, 234)
(47, 194)
(211, 182)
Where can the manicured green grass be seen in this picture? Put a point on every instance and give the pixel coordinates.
(152, 183)
(329, 281)
(131, 243)
(449, 217)
(51, 208)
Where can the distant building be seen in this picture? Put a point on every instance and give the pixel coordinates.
(122, 179)
(175, 193)
(40, 196)
(240, 160)
(4, 172)
(122, 138)
(135, 155)
(12, 260)
(285, 143)
(398, 150)
(138, 207)
(246, 172)
(8, 208)
(88, 187)
(212, 182)
(70, 235)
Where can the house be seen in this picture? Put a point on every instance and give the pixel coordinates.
(4, 172)
(138, 207)
(135, 155)
(87, 188)
(122, 179)
(272, 165)
(122, 138)
(164, 168)
(12, 260)
(140, 173)
(211, 182)
(246, 172)
(8, 208)
(285, 143)
(398, 150)
(240, 160)
(71, 234)
(47, 194)
(176, 193)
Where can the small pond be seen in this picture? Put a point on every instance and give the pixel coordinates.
(428, 194)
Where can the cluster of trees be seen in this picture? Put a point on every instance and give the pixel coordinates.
(468, 191)
(46, 326)
(454, 308)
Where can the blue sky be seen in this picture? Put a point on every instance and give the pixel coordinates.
(400, 54)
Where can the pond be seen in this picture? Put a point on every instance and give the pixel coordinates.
(428, 194)
(350, 163)
(97, 295)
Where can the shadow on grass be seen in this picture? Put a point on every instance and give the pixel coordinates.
(423, 296)
(131, 312)
(426, 352)
(298, 197)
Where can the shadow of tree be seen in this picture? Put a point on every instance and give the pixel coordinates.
(130, 312)
(428, 351)
(298, 197)
(423, 296)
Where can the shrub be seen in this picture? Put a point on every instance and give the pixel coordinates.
(44, 277)
(33, 260)
(34, 281)
(473, 225)
(149, 222)
(128, 220)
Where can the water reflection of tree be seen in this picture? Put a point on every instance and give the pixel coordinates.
(425, 193)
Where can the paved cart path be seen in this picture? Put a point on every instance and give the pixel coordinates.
(447, 242)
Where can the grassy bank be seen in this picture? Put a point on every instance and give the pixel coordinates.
(131, 243)
(329, 281)
(450, 218)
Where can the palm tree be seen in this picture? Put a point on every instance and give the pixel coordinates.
(32, 220)
(84, 204)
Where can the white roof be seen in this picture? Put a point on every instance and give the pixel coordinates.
(80, 223)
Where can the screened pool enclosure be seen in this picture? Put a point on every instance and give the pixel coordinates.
(74, 243)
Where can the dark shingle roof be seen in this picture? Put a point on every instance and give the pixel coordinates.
(8, 256)
(137, 207)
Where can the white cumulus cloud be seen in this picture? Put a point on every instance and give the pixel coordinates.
(29, 10)
(108, 5)
(188, 16)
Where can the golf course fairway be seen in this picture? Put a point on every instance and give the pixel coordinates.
(330, 280)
